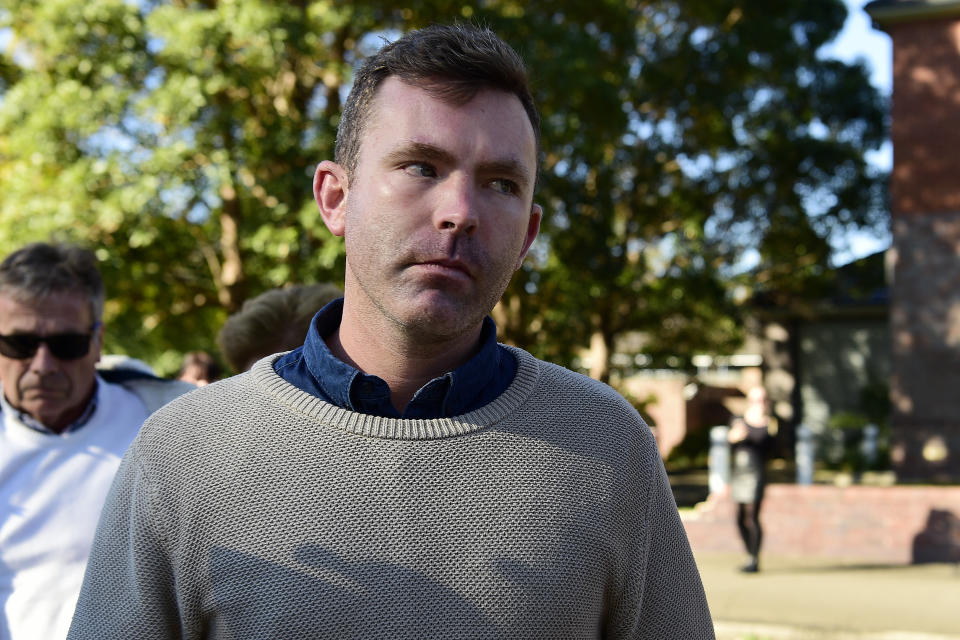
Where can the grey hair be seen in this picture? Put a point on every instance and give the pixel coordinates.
(38, 270)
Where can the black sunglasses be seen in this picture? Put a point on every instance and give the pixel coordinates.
(63, 346)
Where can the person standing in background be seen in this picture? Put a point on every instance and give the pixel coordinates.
(750, 437)
(63, 430)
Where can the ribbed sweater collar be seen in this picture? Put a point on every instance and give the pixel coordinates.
(528, 372)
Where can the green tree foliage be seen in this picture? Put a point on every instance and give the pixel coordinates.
(179, 139)
(710, 133)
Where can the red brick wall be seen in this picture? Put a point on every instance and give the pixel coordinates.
(926, 100)
(668, 410)
(925, 332)
(900, 524)
(925, 203)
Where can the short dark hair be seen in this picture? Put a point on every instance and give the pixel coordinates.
(204, 361)
(451, 62)
(38, 270)
(276, 320)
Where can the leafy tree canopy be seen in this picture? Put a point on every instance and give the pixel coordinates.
(691, 150)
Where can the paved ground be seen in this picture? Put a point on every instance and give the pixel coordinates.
(816, 598)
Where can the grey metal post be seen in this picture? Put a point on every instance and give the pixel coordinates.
(805, 454)
(719, 459)
(869, 444)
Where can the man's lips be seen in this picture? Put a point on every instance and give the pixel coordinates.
(446, 266)
(41, 392)
(44, 395)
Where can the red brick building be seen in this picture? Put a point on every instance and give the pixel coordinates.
(925, 208)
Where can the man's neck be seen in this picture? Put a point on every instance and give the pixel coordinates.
(403, 362)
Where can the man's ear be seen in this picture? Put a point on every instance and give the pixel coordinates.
(533, 228)
(330, 188)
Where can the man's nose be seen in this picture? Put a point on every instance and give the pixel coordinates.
(457, 209)
(43, 360)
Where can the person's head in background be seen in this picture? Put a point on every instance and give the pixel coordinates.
(274, 321)
(757, 399)
(51, 334)
(199, 368)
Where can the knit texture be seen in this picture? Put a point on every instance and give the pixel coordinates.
(251, 509)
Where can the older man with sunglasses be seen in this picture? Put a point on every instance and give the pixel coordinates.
(63, 430)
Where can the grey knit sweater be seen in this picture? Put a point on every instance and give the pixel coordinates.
(250, 509)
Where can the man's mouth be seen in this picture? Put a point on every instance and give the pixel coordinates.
(446, 266)
(43, 391)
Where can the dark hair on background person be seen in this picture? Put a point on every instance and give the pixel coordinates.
(451, 62)
(276, 320)
(40, 269)
(199, 368)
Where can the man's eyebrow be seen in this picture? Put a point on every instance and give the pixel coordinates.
(418, 151)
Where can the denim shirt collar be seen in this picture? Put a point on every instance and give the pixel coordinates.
(334, 376)
(471, 385)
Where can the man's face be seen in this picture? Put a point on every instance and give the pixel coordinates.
(439, 212)
(51, 390)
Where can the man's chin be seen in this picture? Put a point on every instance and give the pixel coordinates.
(46, 405)
(439, 317)
(50, 418)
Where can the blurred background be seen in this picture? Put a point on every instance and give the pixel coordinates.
(736, 193)
(697, 155)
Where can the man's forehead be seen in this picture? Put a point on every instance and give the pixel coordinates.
(61, 309)
(393, 91)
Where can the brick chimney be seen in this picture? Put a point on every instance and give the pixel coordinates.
(925, 208)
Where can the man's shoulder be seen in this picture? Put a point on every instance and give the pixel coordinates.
(565, 384)
(206, 409)
(154, 392)
(581, 414)
(196, 400)
(559, 390)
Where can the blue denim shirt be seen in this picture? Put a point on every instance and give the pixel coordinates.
(314, 369)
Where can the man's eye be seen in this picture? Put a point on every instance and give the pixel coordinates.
(505, 186)
(420, 170)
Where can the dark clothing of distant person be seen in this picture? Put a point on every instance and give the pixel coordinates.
(748, 476)
(748, 480)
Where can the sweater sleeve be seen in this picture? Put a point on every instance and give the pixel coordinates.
(128, 588)
(672, 600)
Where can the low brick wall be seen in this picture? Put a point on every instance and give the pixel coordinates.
(900, 524)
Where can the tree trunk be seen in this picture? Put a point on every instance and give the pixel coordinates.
(601, 349)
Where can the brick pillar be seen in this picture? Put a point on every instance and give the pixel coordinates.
(925, 208)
